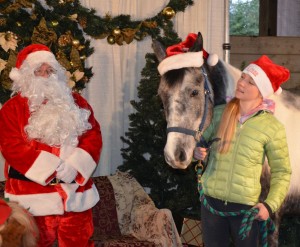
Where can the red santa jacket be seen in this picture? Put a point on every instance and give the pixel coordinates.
(36, 163)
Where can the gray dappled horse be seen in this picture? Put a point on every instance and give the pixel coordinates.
(183, 91)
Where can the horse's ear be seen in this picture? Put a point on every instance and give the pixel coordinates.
(198, 45)
(159, 50)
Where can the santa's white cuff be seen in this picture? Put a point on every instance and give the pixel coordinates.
(43, 167)
(83, 162)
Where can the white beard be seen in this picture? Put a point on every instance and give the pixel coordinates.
(55, 118)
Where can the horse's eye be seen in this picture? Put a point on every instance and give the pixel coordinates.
(194, 93)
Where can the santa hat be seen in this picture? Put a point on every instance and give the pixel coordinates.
(267, 75)
(178, 56)
(34, 55)
(5, 211)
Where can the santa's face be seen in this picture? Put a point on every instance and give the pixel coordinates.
(45, 70)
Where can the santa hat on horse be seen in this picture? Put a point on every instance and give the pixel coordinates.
(267, 75)
(179, 56)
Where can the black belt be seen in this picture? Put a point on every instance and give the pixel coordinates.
(13, 173)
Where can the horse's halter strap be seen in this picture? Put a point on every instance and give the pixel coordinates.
(208, 96)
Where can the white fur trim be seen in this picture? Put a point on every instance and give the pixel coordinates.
(15, 74)
(83, 162)
(182, 60)
(80, 201)
(260, 78)
(39, 204)
(36, 58)
(212, 59)
(52, 203)
(43, 167)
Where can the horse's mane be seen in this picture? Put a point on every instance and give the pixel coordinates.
(219, 82)
(174, 77)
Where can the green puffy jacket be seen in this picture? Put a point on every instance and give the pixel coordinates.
(235, 176)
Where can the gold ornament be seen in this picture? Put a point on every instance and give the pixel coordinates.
(83, 57)
(75, 42)
(111, 39)
(116, 32)
(65, 39)
(81, 47)
(168, 13)
(19, 24)
(54, 23)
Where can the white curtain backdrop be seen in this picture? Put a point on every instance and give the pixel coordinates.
(117, 69)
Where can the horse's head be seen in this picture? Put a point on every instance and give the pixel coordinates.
(183, 91)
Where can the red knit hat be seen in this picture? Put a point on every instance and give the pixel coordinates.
(178, 57)
(267, 75)
(34, 55)
(5, 211)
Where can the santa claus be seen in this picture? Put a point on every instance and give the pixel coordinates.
(51, 143)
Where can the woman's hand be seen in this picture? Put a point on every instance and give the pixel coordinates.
(200, 153)
(263, 213)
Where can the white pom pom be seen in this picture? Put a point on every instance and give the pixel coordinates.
(15, 74)
(212, 59)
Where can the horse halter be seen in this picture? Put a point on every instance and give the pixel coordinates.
(208, 96)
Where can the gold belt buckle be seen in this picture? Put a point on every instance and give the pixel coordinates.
(54, 181)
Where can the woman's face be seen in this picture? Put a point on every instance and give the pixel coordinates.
(246, 89)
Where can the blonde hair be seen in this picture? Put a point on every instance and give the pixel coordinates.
(228, 124)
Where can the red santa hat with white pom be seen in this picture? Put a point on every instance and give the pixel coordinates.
(267, 75)
(178, 56)
(33, 55)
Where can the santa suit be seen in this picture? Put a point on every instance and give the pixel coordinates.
(30, 165)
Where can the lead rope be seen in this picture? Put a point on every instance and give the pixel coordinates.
(266, 227)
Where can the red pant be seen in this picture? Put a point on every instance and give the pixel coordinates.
(71, 229)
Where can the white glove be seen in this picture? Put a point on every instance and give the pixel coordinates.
(66, 173)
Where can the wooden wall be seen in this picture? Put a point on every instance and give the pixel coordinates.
(282, 50)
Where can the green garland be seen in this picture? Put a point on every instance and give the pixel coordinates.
(61, 26)
(122, 26)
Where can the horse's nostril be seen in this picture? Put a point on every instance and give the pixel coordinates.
(182, 155)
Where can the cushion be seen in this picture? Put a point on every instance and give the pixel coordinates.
(104, 212)
(121, 241)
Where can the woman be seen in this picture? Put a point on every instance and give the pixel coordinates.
(249, 133)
